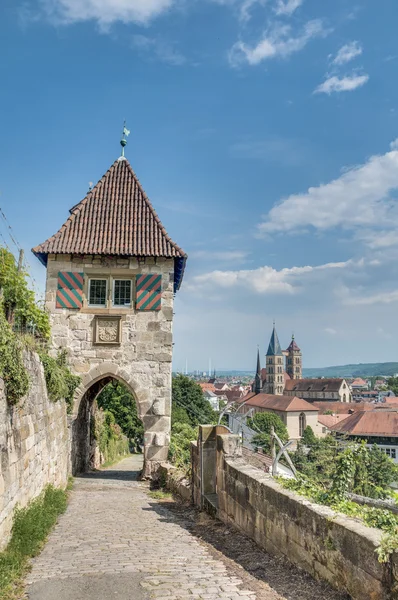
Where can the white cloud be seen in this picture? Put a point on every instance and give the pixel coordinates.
(278, 41)
(105, 12)
(330, 330)
(382, 298)
(359, 197)
(161, 49)
(264, 280)
(343, 84)
(287, 7)
(347, 52)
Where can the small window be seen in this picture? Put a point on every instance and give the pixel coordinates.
(122, 292)
(97, 292)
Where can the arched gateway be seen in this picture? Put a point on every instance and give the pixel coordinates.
(112, 272)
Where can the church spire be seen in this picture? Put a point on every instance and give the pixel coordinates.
(257, 381)
(274, 348)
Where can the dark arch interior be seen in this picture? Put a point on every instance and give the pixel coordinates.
(83, 439)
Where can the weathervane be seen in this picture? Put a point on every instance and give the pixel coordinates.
(123, 141)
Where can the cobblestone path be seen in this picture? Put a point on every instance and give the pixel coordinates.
(114, 541)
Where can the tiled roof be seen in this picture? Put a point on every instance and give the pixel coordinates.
(116, 218)
(330, 420)
(378, 423)
(207, 386)
(274, 402)
(342, 407)
(313, 385)
(293, 346)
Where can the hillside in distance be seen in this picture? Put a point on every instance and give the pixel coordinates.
(360, 370)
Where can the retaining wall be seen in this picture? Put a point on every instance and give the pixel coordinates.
(329, 546)
(34, 445)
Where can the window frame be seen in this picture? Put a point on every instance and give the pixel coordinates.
(90, 280)
(114, 279)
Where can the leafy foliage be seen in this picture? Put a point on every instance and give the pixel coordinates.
(189, 409)
(61, 384)
(392, 384)
(12, 369)
(188, 395)
(309, 438)
(318, 462)
(180, 445)
(263, 422)
(111, 441)
(118, 401)
(18, 301)
(356, 469)
(31, 527)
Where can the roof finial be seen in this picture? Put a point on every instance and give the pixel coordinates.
(274, 322)
(123, 141)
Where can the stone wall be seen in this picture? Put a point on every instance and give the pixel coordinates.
(329, 546)
(142, 356)
(34, 444)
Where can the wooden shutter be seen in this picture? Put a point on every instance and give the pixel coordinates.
(70, 290)
(148, 292)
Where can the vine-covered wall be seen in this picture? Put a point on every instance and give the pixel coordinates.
(34, 443)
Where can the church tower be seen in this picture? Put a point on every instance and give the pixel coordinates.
(274, 366)
(294, 361)
(257, 385)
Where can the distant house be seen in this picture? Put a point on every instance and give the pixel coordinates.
(294, 412)
(213, 399)
(326, 422)
(207, 387)
(318, 389)
(221, 386)
(378, 426)
(359, 384)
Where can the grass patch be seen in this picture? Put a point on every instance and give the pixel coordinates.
(159, 494)
(30, 530)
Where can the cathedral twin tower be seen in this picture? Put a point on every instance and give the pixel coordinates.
(271, 380)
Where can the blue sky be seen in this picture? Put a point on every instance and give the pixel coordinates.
(264, 132)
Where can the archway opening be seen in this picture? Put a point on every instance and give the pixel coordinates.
(107, 425)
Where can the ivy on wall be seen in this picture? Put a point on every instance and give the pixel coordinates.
(12, 369)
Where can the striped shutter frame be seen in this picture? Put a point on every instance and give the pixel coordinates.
(148, 292)
(70, 290)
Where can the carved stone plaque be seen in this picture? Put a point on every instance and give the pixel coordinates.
(107, 330)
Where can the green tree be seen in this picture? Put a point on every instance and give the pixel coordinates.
(18, 301)
(188, 395)
(180, 445)
(392, 384)
(262, 423)
(309, 437)
(116, 399)
(319, 462)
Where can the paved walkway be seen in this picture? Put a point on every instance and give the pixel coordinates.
(114, 541)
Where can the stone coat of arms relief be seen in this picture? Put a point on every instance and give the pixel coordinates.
(107, 330)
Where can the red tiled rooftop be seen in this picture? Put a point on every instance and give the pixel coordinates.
(377, 423)
(274, 402)
(115, 218)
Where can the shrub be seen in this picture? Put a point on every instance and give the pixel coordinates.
(12, 369)
(61, 383)
(180, 445)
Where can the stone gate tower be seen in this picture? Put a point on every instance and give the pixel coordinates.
(112, 272)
